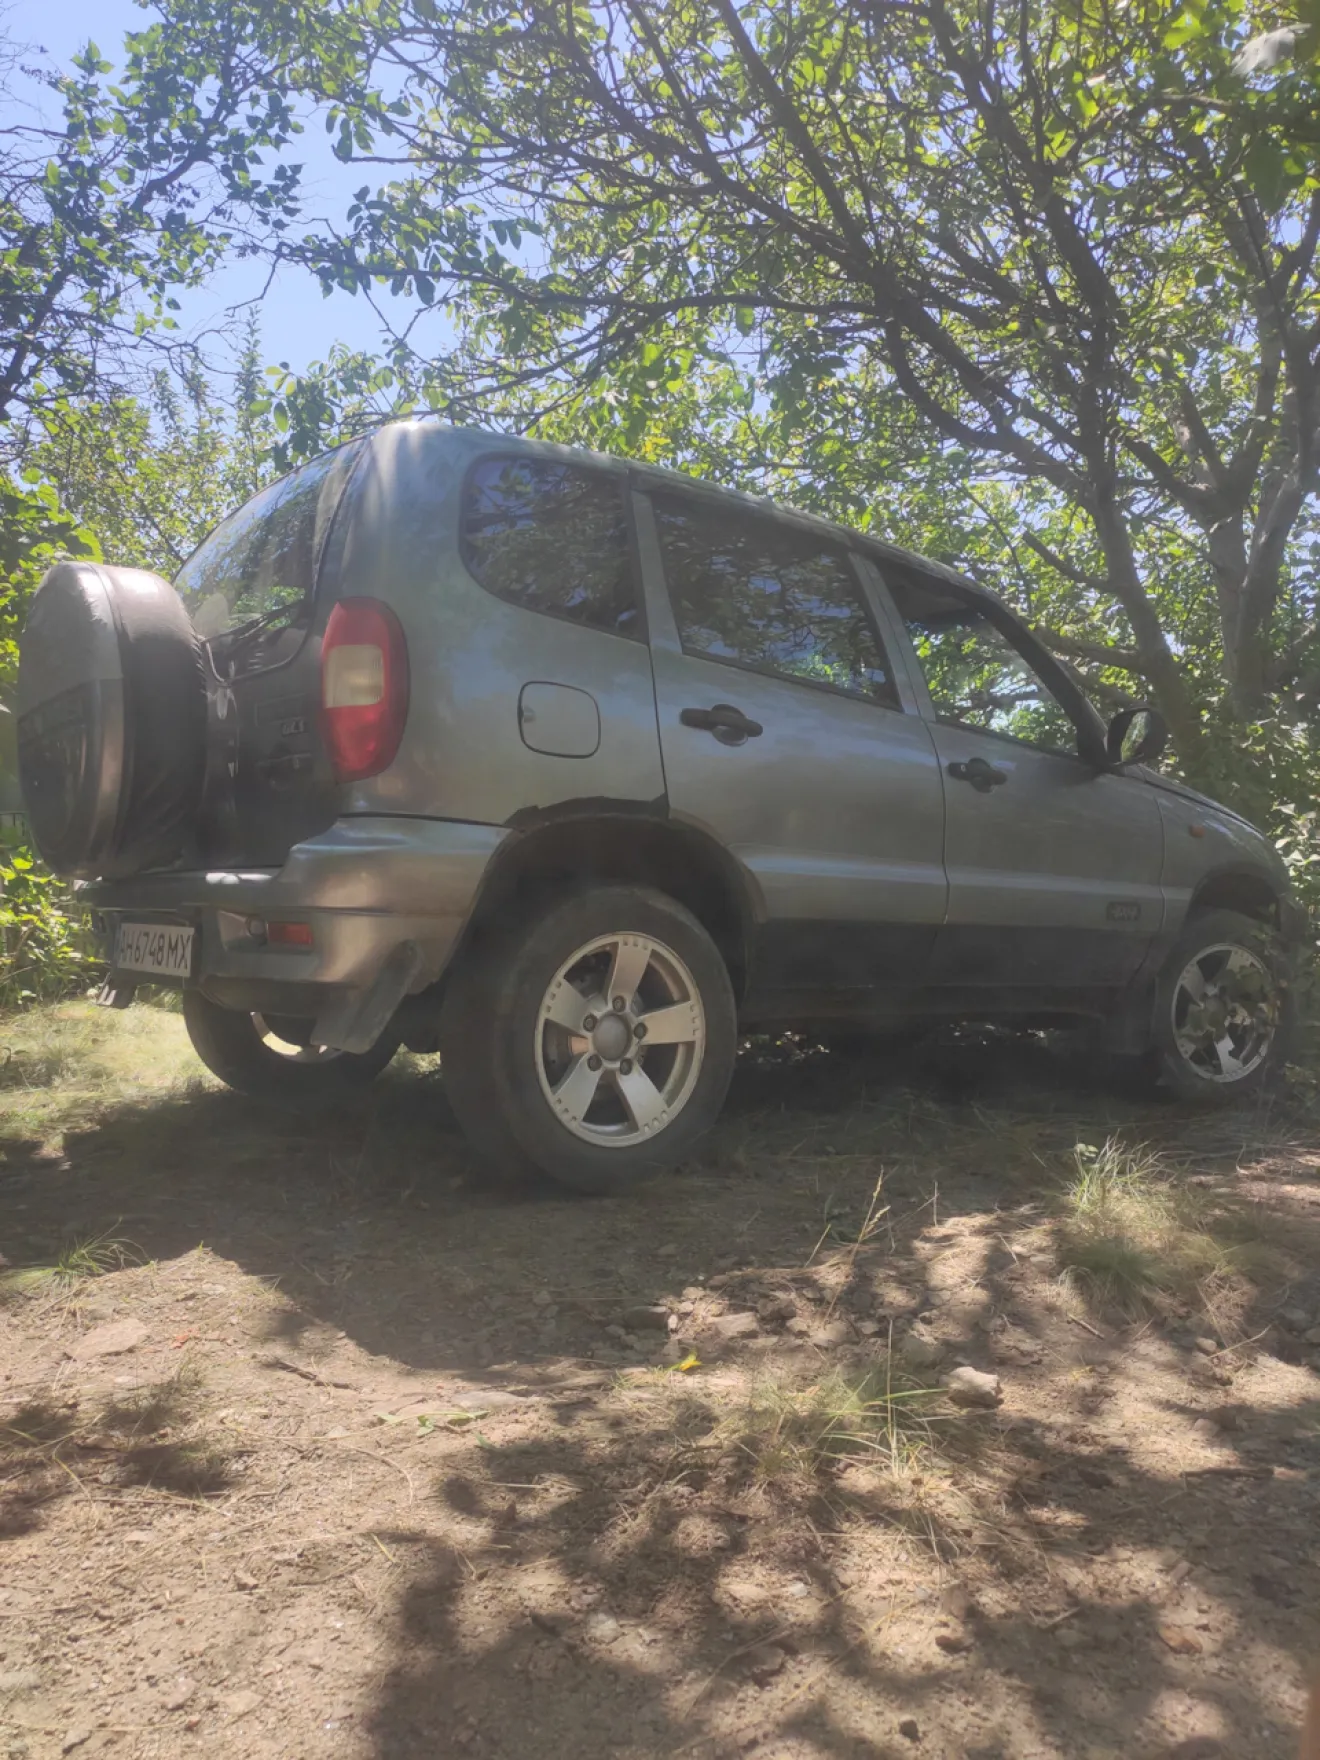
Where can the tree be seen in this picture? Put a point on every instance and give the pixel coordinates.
(1077, 241)
(35, 532)
(152, 475)
(136, 191)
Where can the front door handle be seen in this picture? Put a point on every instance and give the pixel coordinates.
(729, 725)
(982, 776)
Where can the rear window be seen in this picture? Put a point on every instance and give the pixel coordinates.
(266, 555)
(552, 538)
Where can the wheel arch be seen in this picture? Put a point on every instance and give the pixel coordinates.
(1245, 890)
(559, 848)
(1249, 891)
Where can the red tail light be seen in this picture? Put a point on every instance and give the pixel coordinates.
(289, 935)
(364, 688)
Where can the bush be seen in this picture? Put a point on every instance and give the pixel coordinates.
(46, 949)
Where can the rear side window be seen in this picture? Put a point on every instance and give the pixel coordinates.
(761, 595)
(265, 557)
(553, 538)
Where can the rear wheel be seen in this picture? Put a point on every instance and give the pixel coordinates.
(271, 1057)
(594, 1043)
(1225, 1010)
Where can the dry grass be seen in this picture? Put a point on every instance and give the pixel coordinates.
(61, 1066)
(1134, 1240)
(161, 1405)
(94, 1258)
(26, 1281)
(153, 1438)
(789, 1431)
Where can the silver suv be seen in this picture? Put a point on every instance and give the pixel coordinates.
(575, 770)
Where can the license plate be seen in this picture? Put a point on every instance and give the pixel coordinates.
(162, 948)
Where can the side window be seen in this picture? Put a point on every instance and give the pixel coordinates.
(975, 675)
(763, 596)
(551, 537)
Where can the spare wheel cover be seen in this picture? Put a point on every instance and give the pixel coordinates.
(111, 721)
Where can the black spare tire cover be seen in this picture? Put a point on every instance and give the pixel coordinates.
(111, 721)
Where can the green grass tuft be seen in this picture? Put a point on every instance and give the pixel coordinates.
(96, 1257)
(1132, 1239)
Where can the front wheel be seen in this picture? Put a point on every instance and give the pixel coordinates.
(1225, 1010)
(270, 1057)
(594, 1043)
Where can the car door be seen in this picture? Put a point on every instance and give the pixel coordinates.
(783, 735)
(1053, 865)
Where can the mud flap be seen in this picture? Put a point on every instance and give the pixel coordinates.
(116, 992)
(357, 1018)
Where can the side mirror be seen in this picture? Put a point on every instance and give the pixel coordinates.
(1136, 736)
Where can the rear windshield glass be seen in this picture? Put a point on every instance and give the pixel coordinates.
(266, 555)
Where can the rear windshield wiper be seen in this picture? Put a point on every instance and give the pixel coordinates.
(242, 633)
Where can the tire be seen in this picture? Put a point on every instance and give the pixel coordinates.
(239, 1049)
(1228, 1046)
(111, 721)
(507, 1050)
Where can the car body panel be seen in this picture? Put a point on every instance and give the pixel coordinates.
(1054, 875)
(366, 887)
(1054, 872)
(835, 811)
(862, 868)
(470, 654)
(1205, 842)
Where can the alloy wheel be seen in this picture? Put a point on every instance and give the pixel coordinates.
(1226, 1011)
(620, 1038)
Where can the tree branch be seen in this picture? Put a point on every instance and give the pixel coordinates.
(1098, 653)
(1088, 582)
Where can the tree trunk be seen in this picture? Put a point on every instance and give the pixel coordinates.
(1158, 663)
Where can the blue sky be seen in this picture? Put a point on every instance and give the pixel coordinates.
(298, 324)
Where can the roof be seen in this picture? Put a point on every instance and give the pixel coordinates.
(654, 477)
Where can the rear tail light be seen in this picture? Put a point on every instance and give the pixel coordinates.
(364, 688)
(289, 934)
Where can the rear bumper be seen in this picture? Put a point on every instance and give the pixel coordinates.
(385, 899)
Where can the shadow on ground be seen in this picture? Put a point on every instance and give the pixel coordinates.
(623, 1582)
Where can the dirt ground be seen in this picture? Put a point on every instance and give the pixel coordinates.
(317, 1441)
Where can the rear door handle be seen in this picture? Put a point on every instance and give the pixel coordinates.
(729, 725)
(982, 776)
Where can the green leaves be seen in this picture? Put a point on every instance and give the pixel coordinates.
(1269, 169)
(1026, 243)
(985, 277)
(45, 948)
(133, 191)
(36, 530)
